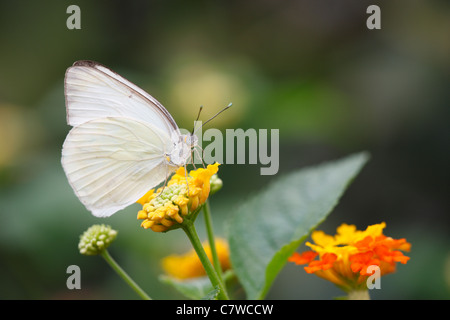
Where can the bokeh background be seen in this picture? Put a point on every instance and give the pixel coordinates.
(308, 68)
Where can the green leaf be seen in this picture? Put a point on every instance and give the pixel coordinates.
(269, 226)
(196, 288)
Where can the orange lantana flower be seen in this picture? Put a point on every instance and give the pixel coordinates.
(345, 258)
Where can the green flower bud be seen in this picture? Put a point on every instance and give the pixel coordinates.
(216, 184)
(96, 239)
(170, 193)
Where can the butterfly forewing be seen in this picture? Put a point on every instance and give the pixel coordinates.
(93, 91)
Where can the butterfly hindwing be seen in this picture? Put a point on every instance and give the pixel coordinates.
(111, 162)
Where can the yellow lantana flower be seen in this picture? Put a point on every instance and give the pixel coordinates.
(170, 205)
(188, 265)
(344, 258)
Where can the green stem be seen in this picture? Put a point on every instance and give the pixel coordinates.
(359, 294)
(105, 254)
(191, 232)
(212, 244)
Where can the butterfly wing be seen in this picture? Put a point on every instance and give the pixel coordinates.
(111, 162)
(93, 91)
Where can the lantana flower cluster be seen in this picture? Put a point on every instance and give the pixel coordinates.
(168, 206)
(345, 258)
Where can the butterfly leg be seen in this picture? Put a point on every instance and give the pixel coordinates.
(200, 156)
(164, 186)
(192, 160)
(186, 174)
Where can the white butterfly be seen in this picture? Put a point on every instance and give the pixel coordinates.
(123, 141)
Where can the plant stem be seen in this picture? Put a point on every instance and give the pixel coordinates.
(105, 254)
(362, 294)
(191, 232)
(212, 244)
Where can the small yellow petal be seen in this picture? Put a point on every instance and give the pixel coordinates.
(322, 239)
(148, 207)
(167, 223)
(145, 197)
(158, 228)
(147, 224)
(142, 215)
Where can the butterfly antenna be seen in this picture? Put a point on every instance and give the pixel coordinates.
(228, 106)
(198, 117)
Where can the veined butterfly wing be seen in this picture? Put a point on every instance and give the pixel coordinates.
(93, 91)
(117, 149)
(112, 162)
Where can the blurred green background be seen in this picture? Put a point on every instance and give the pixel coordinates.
(308, 68)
